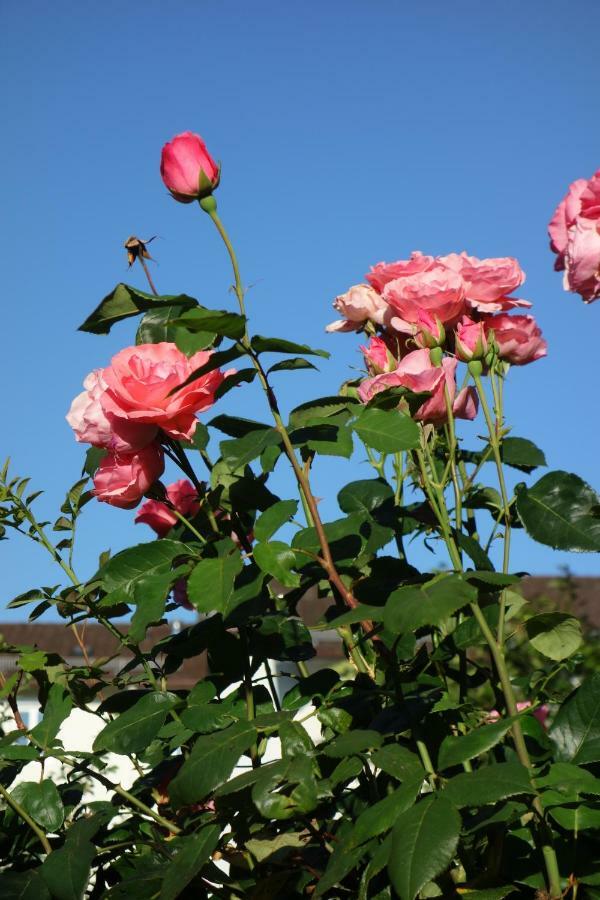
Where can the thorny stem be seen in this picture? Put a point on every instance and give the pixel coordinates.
(210, 207)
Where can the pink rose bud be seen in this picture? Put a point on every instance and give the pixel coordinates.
(429, 331)
(123, 480)
(518, 338)
(142, 382)
(182, 496)
(359, 305)
(378, 356)
(470, 340)
(187, 168)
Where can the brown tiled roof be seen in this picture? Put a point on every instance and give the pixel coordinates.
(578, 595)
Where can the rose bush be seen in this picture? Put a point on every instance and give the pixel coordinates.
(435, 763)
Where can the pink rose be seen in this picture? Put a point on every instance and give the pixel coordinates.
(470, 340)
(519, 339)
(582, 259)
(417, 373)
(487, 281)
(139, 382)
(182, 496)
(91, 425)
(378, 356)
(383, 273)
(575, 237)
(358, 305)
(187, 168)
(564, 217)
(122, 480)
(438, 292)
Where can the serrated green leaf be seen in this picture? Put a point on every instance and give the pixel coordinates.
(273, 518)
(424, 841)
(388, 431)
(490, 784)
(133, 730)
(262, 344)
(556, 635)
(412, 607)
(562, 511)
(279, 560)
(210, 763)
(456, 750)
(191, 855)
(125, 301)
(211, 582)
(575, 731)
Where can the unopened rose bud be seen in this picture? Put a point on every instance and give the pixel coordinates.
(187, 168)
(470, 340)
(429, 331)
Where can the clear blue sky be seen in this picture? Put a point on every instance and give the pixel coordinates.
(349, 132)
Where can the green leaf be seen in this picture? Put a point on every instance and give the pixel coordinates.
(566, 783)
(58, 707)
(365, 496)
(132, 731)
(522, 454)
(273, 518)
(190, 857)
(489, 784)
(320, 409)
(149, 594)
(412, 607)
(388, 431)
(424, 841)
(324, 437)
(27, 885)
(380, 817)
(126, 301)
(297, 362)
(562, 511)
(356, 741)
(218, 321)
(124, 570)
(211, 762)
(216, 360)
(575, 731)
(234, 379)
(42, 801)
(159, 325)
(210, 584)
(277, 559)
(456, 750)
(262, 344)
(240, 451)
(398, 762)
(237, 427)
(66, 871)
(556, 635)
(579, 818)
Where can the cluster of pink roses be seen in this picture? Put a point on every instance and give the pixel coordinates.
(575, 237)
(455, 302)
(129, 408)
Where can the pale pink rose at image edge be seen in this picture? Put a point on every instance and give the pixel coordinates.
(575, 237)
(187, 168)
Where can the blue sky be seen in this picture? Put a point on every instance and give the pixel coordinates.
(349, 132)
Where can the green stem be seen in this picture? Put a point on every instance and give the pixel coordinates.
(188, 525)
(493, 431)
(18, 809)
